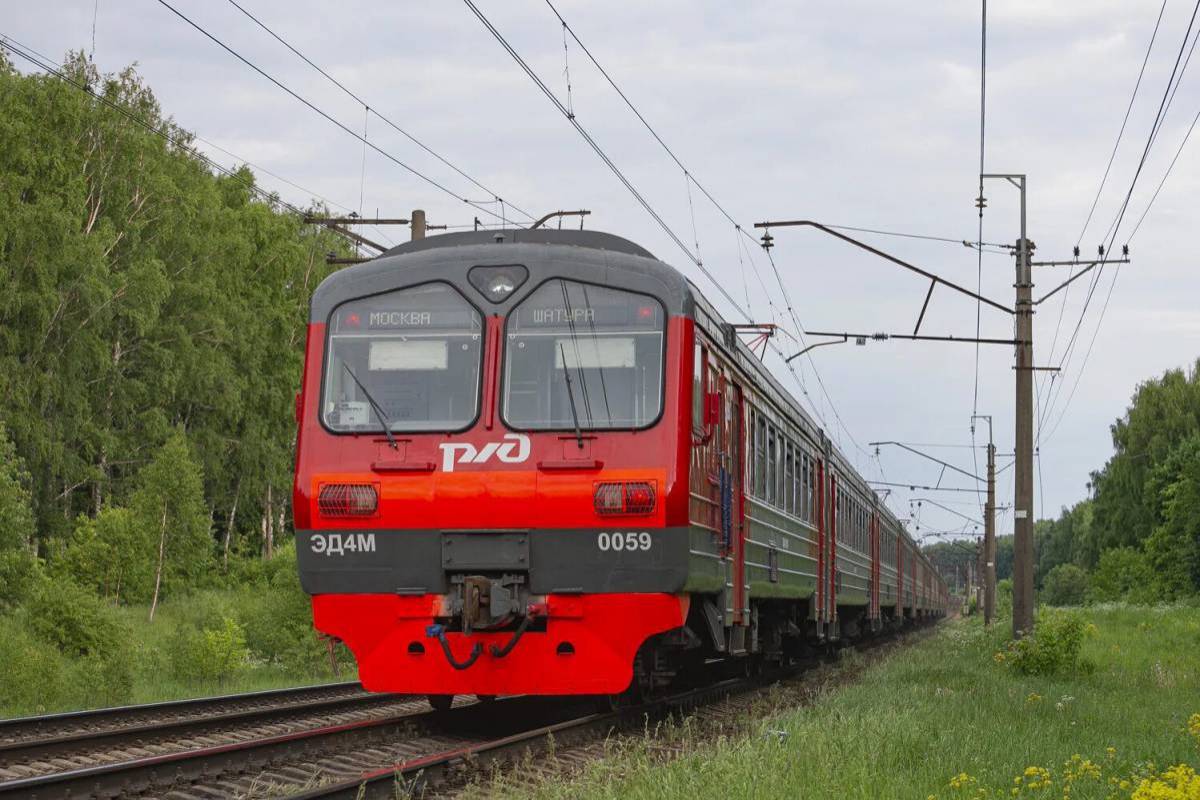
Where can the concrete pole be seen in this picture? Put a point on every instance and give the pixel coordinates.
(417, 224)
(989, 538)
(1023, 501)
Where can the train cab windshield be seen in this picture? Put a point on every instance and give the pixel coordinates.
(575, 352)
(411, 357)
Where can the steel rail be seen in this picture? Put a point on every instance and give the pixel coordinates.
(165, 770)
(81, 741)
(22, 727)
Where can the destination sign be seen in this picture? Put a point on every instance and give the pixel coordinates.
(643, 314)
(351, 319)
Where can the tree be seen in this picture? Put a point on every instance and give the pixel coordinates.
(1164, 412)
(17, 562)
(143, 292)
(169, 505)
(1173, 548)
(1065, 585)
(112, 554)
(1004, 557)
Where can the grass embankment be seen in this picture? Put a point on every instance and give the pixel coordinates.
(947, 718)
(69, 650)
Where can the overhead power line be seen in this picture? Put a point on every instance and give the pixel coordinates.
(52, 67)
(691, 180)
(325, 115)
(1120, 133)
(1114, 230)
(373, 109)
(1103, 181)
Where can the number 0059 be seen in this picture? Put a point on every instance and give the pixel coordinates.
(623, 541)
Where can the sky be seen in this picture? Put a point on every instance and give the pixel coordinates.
(856, 113)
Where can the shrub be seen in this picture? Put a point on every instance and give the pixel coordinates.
(1065, 585)
(1121, 574)
(34, 679)
(76, 621)
(1004, 597)
(212, 654)
(277, 616)
(1053, 647)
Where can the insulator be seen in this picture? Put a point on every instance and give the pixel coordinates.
(1125, 250)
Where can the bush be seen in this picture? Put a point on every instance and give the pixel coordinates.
(212, 654)
(278, 617)
(1004, 597)
(1065, 585)
(76, 621)
(1053, 647)
(34, 679)
(1122, 574)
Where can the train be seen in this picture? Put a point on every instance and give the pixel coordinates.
(537, 461)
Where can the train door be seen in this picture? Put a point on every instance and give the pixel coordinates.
(733, 424)
(874, 600)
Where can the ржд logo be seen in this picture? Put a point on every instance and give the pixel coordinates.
(513, 451)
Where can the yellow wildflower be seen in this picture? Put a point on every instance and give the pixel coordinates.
(1178, 783)
(961, 780)
(1194, 726)
(1033, 698)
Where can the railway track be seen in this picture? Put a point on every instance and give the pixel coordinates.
(345, 744)
(33, 747)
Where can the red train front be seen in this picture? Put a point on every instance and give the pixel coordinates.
(523, 528)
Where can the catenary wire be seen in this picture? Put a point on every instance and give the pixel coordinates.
(703, 190)
(1095, 201)
(374, 110)
(693, 257)
(1114, 230)
(53, 68)
(322, 113)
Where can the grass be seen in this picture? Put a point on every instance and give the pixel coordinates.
(945, 719)
(46, 681)
(154, 681)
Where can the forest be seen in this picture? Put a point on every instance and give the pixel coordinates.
(151, 334)
(1136, 536)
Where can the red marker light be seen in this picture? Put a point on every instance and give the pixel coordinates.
(645, 312)
(353, 321)
(348, 500)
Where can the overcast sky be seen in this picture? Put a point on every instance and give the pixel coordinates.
(852, 113)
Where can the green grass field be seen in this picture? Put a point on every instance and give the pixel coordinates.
(945, 718)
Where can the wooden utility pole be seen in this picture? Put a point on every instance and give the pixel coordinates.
(417, 224)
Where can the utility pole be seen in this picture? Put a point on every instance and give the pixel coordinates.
(1023, 599)
(1023, 500)
(417, 224)
(989, 528)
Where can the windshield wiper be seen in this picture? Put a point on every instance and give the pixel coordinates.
(571, 396)
(387, 423)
